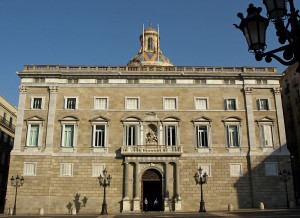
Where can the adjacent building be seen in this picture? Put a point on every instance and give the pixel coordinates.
(8, 116)
(291, 108)
(151, 125)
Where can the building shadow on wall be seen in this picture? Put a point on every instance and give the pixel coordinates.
(262, 184)
(77, 203)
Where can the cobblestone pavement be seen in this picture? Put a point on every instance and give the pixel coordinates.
(293, 213)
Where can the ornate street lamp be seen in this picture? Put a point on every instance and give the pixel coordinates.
(201, 178)
(16, 182)
(285, 176)
(287, 27)
(104, 181)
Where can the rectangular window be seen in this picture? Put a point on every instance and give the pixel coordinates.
(97, 169)
(271, 169)
(70, 103)
(29, 169)
(236, 170)
(10, 122)
(202, 136)
(33, 135)
(206, 168)
(99, 136)
(37, 103)
(170, 103)
(100, 103)
(170, 135)
(132, 103)
(230, 104)
(131, 135)
(68, 136)
(232, 136)
(66, 169)
(201, 104)
(263, 104)
(267, 139)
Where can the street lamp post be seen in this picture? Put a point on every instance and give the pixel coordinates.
(287, 27)
(16, 182)
(201, 178)
(285, 176)
(104, 181)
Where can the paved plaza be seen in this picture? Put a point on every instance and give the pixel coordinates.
(239, 213)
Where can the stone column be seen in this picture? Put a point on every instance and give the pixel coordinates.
(250, 118)
(51, 118)
(280, 119)
(136, 190)
(20, 119)
(177, 188)
(167, 192)
(126, 200)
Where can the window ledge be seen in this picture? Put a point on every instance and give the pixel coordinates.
(267, 149)
(234, 149)
(204, 150)
(68, 150)
(99, 150)
(32, 149)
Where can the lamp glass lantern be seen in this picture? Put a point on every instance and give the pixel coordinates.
(254, 28)
(276, 9)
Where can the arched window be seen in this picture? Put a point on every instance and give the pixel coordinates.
(150, 43)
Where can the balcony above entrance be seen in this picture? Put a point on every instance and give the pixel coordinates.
(151, 150)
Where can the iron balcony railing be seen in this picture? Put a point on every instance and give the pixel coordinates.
(6, 124)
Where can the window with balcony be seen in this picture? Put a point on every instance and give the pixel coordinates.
(265, 126)
(171, 131)
(132, 126)
(202, 133)
(69, 128)
(202, 136)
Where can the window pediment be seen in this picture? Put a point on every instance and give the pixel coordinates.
(131, 119)
(100, 119)
(232, 119)
(202, 119)
(171, 119)
(69, 118)
(34, 118)
(265, 119)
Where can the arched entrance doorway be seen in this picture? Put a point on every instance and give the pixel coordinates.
(152, 189)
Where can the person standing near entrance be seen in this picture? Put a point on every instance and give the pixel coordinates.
(146, 205)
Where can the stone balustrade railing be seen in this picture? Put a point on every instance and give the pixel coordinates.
(61, 68)
(151, 149)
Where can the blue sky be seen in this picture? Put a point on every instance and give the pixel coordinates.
(106, 32)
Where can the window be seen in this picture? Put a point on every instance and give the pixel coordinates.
(263, 104)
(66, 169)
(232, 136)
(68, 136)
(10, 122)
(131, 134)
(206, 168)
(97, 169)
(71, 103)
(99, 136)
(101, 103)
(271, 169)
(170, 103)
(150, 43)
(202, 136)
(201, 104)
(170, 134)
(37, 103)
(236, 170)
(99, 133)
(33, 135)
(29, 169)
(132, 103)
(266, 136)
(230, 104)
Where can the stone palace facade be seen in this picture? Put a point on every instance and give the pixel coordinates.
(151, 125)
